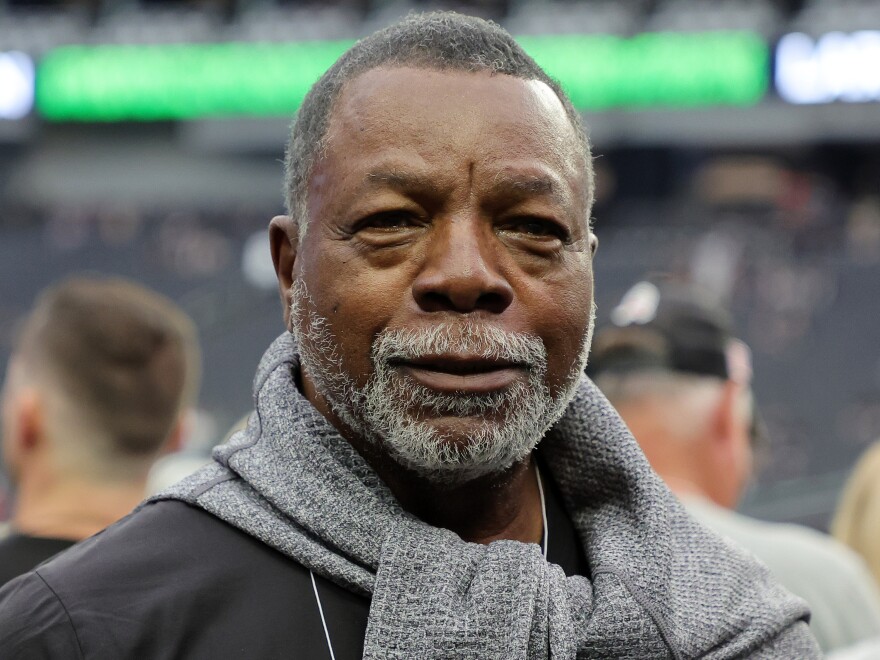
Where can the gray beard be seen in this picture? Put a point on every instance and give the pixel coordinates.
(394, 412)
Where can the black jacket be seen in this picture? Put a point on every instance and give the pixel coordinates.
(172, 581)
(20, 553)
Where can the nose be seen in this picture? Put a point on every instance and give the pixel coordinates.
(460, 273)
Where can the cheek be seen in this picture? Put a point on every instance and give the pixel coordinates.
(359, 307)
(358, 301)
(564, 323)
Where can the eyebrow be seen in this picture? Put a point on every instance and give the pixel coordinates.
(399, 180)
(531, 185)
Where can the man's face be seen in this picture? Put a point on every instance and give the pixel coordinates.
(442, 294)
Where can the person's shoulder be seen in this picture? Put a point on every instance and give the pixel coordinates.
(182, 544)
(787, 548)
(167, 568)
(20, 553)
(837, 559)
(810, 543)
(33, 622)
(167, 534)
(156, 539)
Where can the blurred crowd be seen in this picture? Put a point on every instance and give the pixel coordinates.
(168, 21)
(486, 8)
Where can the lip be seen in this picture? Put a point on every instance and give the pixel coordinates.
(463, 374)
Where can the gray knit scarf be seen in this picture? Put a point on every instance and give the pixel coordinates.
(660, 585)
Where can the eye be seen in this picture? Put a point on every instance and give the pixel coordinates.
(389, 221)
(537, 228)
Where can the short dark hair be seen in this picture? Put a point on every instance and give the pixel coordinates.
(444, 41)
(125, 356)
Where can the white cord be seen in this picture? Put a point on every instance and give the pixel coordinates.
(546, 534)
(323, 620)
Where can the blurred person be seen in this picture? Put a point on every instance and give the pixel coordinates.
(866, 650)
(682, 383)
(95, 392)
(170, 469)
(856, 521)
(389, 497)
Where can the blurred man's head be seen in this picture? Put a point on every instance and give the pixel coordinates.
(98, 380)
(681, 382)
(442, 295)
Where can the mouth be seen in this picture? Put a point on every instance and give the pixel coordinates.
(462, 373)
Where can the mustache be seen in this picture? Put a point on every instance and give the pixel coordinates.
(459, 338)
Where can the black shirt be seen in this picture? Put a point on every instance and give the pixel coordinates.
(20, 553)
(173, 581)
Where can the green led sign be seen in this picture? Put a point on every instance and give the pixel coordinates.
(148, 83)
(112, 83)
(657, 69)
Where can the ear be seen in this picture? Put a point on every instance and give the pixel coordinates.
(28, 426)
(731, 439)
(283, 243)
(725, 426)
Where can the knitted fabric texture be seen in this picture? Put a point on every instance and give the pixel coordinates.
(659, 584)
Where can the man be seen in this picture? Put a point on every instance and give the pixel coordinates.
(95, 390)
(385, 500)
(681, 382)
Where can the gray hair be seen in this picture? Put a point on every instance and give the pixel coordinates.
(444, 41)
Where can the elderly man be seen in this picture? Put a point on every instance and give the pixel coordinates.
(386, 499)
(681, 382)
(97, 387)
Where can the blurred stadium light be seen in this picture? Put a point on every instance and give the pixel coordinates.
(835, 67)
(16, 85)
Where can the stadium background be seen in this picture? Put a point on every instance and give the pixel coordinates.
(736, 141)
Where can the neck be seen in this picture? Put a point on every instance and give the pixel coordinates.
(504, 506)
(699, 486)
(683, 487)
(680, 462)
(73, 510)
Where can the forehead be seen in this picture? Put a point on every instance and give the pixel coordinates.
(449, 117)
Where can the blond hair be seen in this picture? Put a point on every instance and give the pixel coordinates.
(857, 519)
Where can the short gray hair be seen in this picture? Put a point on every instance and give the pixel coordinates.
(444, 41)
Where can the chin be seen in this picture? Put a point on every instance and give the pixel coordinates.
(454, 451)
(459, 474)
